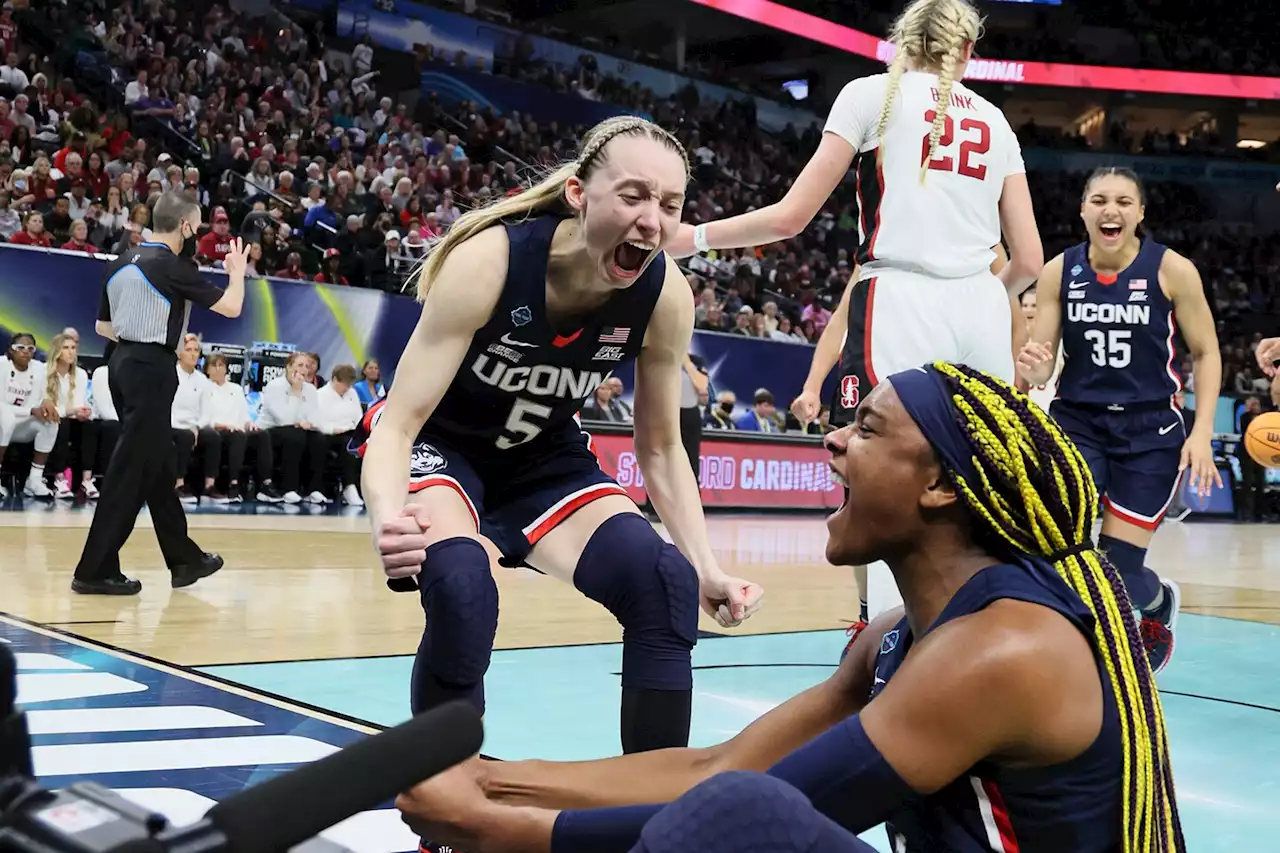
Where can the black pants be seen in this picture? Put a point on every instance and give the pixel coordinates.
(184, 444)
(1251, 501)
(143, 384)
(104, 437)
(76, 448)
(214, 444)
(348, 462)
(691, 437)
(293, 443)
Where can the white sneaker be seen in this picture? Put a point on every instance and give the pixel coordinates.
(36, 489)
(4, 493)
(351, 496)
(317, 498)
(292, 498)
(61, 490)
(90, 490)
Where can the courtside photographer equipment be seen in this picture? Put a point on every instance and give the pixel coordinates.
(271, 817)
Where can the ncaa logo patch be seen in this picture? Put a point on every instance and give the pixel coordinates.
(1076, 270)
(425, 461)
(890, 642)
(521, 316)
(849, 392)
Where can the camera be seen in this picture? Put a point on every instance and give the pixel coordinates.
(283, 813)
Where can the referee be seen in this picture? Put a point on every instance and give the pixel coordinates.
(145, 305)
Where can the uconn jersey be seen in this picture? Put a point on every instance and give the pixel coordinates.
(943, 228)
(1072, 807)
(523, 381)
(1117, 332)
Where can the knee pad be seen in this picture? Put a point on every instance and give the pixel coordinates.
(461, 602)
(652, 590)
(736, 812)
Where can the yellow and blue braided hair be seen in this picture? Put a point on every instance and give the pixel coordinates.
(1036, 495)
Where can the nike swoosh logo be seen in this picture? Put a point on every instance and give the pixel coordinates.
(1168, 429)
(1075, 285)
(506, 339)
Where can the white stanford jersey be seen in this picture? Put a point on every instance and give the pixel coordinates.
(945, 227)
(20, 386)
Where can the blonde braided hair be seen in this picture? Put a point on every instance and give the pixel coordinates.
(929, 34)
(546, 195)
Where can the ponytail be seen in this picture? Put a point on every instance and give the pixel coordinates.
(546, 196)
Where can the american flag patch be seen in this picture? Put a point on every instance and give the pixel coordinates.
(1138, 284)
(615, 335)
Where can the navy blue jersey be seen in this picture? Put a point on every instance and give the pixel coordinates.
(1073, 807)
(1117, 332)
(523, 381)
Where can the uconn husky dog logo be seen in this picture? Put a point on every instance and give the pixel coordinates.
(425, 461)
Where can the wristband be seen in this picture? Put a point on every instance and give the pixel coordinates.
(700, 238)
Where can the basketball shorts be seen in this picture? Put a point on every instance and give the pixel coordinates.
(1133, 453)
(515, 496)
(899, 320)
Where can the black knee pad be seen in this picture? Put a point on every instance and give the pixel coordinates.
(461, 602)
(741, 812)
(652, 590)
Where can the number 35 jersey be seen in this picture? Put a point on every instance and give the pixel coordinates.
(944, 227)
(1117, 332)
(523, 382)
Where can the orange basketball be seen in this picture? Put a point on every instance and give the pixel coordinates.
(1262, 439)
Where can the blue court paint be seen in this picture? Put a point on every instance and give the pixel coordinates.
(171, 743)
(562, 703)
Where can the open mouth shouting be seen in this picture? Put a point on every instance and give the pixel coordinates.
(630, 257)
(1111, 231)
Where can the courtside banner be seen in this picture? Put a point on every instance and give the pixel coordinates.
(986, 69)
(737, 474)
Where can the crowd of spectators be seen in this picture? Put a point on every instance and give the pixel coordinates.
(298, 150)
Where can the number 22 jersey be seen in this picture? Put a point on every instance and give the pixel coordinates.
(945, 227)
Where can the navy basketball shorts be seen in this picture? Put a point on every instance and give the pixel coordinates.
(515, 496)
(1133, 453)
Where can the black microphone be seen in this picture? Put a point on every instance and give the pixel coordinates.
(295, 806)
(15, 742)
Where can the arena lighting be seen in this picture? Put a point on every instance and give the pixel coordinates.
(1251, 143)
(826, 32)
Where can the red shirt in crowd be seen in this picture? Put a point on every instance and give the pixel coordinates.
(24, 238)
(320, 279)
(214, 246)
(73, 246)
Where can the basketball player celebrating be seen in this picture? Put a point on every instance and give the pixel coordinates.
(939, 174)
(1009, 706)
(1111, 303)
(528, 305)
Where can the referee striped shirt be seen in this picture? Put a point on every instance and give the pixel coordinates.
(147, 295)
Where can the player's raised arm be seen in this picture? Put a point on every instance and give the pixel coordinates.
(668, 478)
(1035, 362)
(1181, 281)
(460, 300)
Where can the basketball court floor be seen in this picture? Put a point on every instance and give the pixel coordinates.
(180, 697)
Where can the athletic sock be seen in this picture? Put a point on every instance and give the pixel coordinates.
(655, 719)
(863, 613)
(1142, 584)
